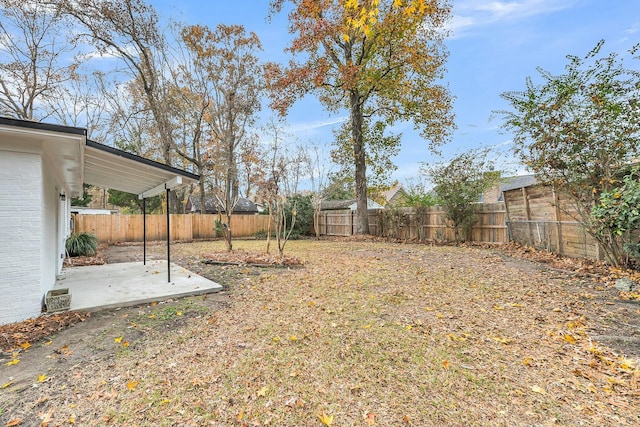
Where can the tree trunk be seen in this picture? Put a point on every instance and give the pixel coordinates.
(227, 233)
(359, 158)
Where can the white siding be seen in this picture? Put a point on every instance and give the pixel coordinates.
(21, 235)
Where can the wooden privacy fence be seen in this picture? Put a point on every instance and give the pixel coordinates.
(539, 216)
(423, 224)
(129, 228)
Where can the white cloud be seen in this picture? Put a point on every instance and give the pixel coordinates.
(469, 14)
(110, 53)
(311, 126)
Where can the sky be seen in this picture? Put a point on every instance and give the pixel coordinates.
(493, 47)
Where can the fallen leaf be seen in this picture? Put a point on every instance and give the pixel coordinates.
(527, 361)
(498, 307)
(539, 390)
(627, 364)
(502, 340)
(569, 338)
(370, 419)
(263, 391)
(46, 418)
(25, 345)
(14, 422)
(5, 385)
(326, 419)
(13, 362)
(118, 339)
(131, 385)
(71, 419)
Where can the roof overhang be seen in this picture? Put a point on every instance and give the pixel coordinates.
(61, 146)
(109, 167)
(78, 160)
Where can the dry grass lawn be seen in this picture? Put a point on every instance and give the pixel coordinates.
(365, 334)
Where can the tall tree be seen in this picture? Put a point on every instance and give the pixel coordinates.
(380, 148)
(229, 56)
(376, 58)
(129, 31)
(579, 129)
(34, 62)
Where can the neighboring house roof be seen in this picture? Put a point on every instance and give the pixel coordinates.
(244, 205)
(394, 195)
(334, 205)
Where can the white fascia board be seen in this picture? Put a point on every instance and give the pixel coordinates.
(172, 183)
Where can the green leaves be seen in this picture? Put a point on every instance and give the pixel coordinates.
(459, 185)
(578, 129)
(618, 212)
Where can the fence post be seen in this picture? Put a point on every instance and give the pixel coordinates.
(527, 210)
(556, 202)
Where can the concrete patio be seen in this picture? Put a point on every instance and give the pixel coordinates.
(125, 284)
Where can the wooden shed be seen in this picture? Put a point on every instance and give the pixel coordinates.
(540, 216)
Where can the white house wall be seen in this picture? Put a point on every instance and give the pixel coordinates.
(51, 234)
(21, 234)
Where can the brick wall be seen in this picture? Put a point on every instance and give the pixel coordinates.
(20, 235)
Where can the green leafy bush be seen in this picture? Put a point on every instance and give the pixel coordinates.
(81, 244)
(617, 216)
(304, 214)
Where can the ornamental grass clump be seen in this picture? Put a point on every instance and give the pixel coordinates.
(81, 244)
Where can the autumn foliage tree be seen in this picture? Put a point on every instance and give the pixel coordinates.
(374, 58)
(228, 57)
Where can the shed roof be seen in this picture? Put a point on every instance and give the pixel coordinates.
(520, 181)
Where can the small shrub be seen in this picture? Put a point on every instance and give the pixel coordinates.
(81, 244)
(261, 235)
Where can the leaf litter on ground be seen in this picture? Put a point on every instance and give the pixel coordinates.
(407, 332)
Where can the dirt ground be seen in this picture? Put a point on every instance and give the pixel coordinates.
(614, 319)
(92, 337)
